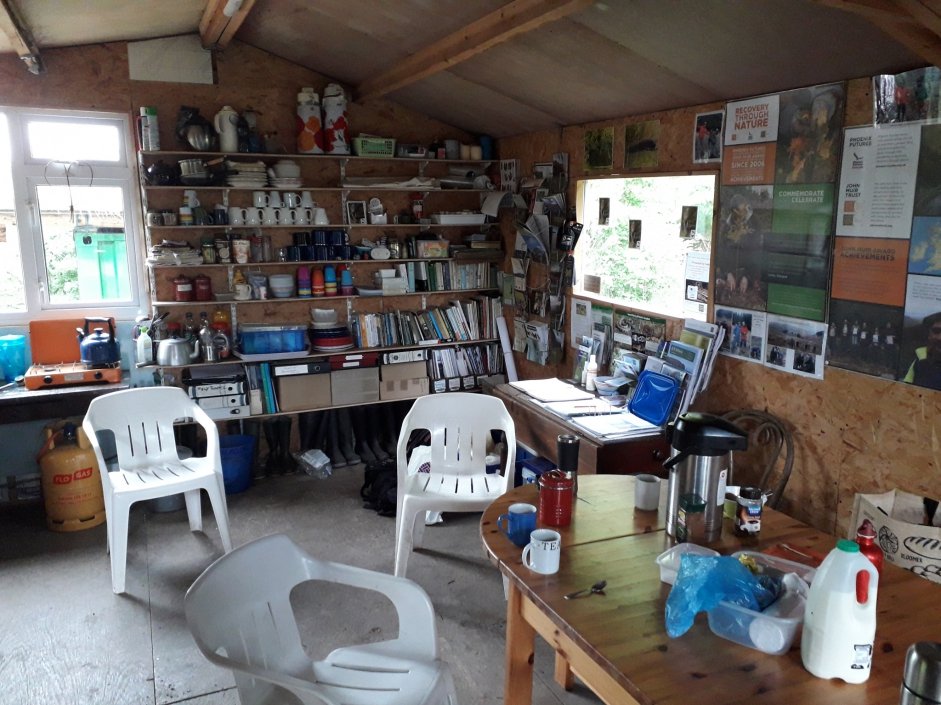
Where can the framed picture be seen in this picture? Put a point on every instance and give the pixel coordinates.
(543, 170)
(356, 212)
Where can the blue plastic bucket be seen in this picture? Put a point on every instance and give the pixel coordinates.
(237, 455)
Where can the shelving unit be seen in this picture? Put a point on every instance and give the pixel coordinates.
(323, 177)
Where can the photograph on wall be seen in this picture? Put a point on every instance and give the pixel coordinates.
(745, 333)
(697, 282)
(869, 269)
(745, 216)
(925, 252)
(864, 337)
(509, 169)
(920, 354)
(877, 181)
(907, 97)
(928, 184)
(641, 333)
(599, 148)
(707, 137)
(809, 138)
(641, 145)
(796, 346)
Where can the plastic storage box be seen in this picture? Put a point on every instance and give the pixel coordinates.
(669, 560)
(259, 339)
(772, 631)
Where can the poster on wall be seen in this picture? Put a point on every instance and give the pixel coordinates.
(599, 148)
(745, 333)
(906, 97)
(920, 354)
(751, 130)
(810, 127)
(707, 137)
(642, 145)
(864, 337)
(697, 283)
(796, 346)
(745, 216)
(878, 181)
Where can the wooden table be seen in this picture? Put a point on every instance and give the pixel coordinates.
(18, 404)
(617, 644)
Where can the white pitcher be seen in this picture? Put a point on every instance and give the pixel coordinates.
(226, 124)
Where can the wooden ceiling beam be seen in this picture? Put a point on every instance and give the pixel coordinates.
(20, 37)
(915, 24)
(511, 20)
(221, 20)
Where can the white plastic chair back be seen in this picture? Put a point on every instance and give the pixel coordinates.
(241, 618)
(456, 479)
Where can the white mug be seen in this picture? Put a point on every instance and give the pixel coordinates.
(243, 292)
(300, 216)
(320, 217)
(292, 200)
(274, 200)
(306, 200)
(189, 195)
(259, 199)
(236, 215)
(286, 216)
(543, 551)
(269, 216)
(253, 216)
(646, 492)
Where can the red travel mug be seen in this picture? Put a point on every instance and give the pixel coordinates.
(556, 491)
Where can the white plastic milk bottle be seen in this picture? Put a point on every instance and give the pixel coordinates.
(840, 616)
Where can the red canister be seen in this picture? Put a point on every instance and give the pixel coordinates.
(556, 491)
(182, 288)
(203, 286)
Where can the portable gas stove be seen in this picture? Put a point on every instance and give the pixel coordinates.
(63, 373)
(56, 357)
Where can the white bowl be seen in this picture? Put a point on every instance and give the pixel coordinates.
(323, 315)
(287, 170)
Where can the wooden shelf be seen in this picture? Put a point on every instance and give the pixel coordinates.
(484, 256)
(180, 304)
(327, 226)
(334, 189)
(261, 156)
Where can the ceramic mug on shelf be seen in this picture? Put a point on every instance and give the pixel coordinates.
(259, 199)
(270, 216)
(300, 216)
(543, 551)
(292, 200)
(320, 217)
(274, 200)
(253, 216)
(306, 200)
(243, 292)
(237, 215)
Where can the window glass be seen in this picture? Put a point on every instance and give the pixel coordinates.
(84, 244)
(81, 140)
(12, 291)
(642, 237)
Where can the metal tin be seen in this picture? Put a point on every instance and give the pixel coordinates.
(556, 492)
(921, 677)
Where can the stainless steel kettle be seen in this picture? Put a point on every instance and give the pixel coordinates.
(177, 352)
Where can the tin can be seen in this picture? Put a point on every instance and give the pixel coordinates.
(556, 492)
(223, 253)
(182, 288)
(203, 287)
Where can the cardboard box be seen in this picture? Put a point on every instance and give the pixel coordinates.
(303, 392)
(905, 540)
(403, 388)
(403, 370)
(356, 386)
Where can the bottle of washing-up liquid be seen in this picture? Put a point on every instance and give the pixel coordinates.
(591, 371)
(840, 616)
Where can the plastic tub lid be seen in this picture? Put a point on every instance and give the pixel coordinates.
(265, 328)
(653, 399)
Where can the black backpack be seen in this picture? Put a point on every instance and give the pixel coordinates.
(379, 489)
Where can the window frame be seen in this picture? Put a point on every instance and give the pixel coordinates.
(28, 173)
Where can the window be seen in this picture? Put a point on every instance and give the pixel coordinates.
(68, 220)
(646, 242)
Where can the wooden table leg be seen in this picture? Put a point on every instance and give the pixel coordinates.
(520, 644)
(563, 674)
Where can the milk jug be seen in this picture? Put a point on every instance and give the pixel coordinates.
(840, 616)
(226, 124)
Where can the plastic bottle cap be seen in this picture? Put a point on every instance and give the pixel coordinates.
(848, 546)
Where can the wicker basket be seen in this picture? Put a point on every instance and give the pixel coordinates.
(374, 146)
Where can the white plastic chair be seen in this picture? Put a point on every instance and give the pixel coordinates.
(460, 425)
(148, 466)
(239, 612)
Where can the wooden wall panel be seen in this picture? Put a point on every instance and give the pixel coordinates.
(852, 433)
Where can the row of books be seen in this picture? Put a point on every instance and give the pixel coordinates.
(447, 276)
(261, 389)
(484, 359)
(473, 319)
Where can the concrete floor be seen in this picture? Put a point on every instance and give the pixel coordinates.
(66, 638)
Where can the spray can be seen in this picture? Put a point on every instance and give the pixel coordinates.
(335, 125)
(309, 123)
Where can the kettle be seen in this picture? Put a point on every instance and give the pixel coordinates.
(226, 123)
(98, 349)
(177, 352)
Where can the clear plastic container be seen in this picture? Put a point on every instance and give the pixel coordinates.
(772, 631)
(264, 339)
(669, 560)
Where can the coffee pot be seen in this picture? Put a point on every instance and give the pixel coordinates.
(699, 466)
(226, 123)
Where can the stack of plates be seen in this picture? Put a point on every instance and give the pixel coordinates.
(246, 174)
(279, 182)
(330, 337)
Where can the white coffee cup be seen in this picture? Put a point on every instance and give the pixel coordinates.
(543, 551)
(320, 216)
(259, 199)
(286, 216)
(236, 215)
(300, 216)
(306, 200)
(646, 492)
(253, 216)
(274, 200)
(269, 216)
(243, 292)
(292, 200)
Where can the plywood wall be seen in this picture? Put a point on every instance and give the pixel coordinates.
(852, 433)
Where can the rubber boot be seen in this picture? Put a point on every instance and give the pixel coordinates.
(337, 459)
(345, 432)
(286, 460)
(253, 428)
(375, 428)
(271, 438)
(361, 433)
(391, 429)
(306, 428)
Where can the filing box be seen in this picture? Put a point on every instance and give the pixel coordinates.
(403, 388)
(355, 386)
(304, 391)
(403, 370)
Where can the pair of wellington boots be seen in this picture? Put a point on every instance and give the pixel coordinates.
(278, 437)
(331, 432)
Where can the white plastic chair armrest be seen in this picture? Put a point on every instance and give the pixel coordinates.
(212, 436)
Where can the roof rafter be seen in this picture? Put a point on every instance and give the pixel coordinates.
(20, 37)
(221, 20)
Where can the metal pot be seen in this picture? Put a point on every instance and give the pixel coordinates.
(177, 352)
(98, 349)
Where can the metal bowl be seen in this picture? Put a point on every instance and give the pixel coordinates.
(200, 137)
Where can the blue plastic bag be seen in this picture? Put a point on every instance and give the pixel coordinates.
(705, 581)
